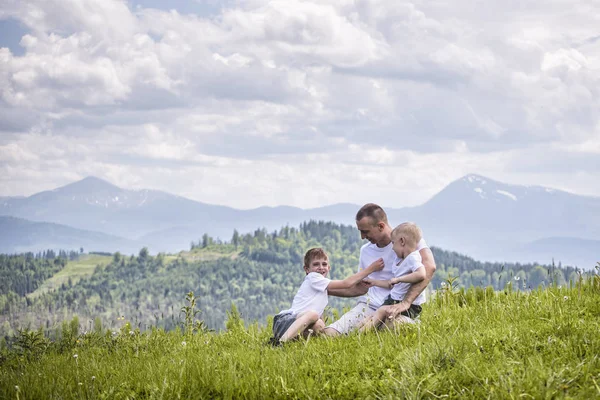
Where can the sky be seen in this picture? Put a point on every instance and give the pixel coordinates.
(248, 103)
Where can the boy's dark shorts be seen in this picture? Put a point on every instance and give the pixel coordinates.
(281, 323)
(413, 311)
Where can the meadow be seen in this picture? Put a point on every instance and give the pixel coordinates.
(475, 343)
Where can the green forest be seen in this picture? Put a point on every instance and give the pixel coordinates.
(257, 274)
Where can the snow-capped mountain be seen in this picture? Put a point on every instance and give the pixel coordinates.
(475, 215)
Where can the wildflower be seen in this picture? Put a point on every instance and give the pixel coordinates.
(549, 339)
(93, 377)
(310, 331)
(443, 284)
(16, 388)
(183, 344)
(517, 278)
(75, 356)
(566, 298)
(206, 342)
(80, 384)
(131, 332)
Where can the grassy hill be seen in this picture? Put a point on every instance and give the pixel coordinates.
(468, 344)
(75, 270)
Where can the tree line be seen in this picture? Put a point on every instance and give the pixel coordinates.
(259, 272)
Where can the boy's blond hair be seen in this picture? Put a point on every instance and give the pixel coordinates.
(313, 253)
(410, 232)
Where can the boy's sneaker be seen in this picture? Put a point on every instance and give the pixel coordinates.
(275, 342)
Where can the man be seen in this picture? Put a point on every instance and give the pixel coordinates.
(371, 221)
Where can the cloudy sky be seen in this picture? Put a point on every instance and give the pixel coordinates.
(306, 103)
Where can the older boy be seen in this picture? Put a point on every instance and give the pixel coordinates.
(311, 299)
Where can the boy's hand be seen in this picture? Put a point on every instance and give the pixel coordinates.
(394, 281)
(377, 265)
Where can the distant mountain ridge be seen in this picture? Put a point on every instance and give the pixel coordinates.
(474, 215)
(18, 235)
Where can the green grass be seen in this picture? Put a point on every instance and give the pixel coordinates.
(74, 270)
(472, 344)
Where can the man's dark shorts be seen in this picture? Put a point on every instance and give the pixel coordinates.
(281, 323)
(413, 311)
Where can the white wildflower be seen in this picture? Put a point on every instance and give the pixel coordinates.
(75, 356)
(183, 344)
(566, 298)
(517, 278)
(16, 388)
(443, 284)
(93, 377)
(80, 384)
(131, 333)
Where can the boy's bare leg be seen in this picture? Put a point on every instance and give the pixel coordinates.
(391, 323)
(376, 320)
(304, 321)
(319, 327)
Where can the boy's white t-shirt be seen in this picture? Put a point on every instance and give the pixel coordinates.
(312, 295)
(410, 264)
(368, 254)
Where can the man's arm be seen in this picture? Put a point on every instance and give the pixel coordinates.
(416, 288)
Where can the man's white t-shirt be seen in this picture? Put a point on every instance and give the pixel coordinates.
(368, 254)
(402, 267)
(312, 295)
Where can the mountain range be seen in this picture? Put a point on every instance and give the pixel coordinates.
(475, 215)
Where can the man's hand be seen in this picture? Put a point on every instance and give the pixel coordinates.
(395, 310)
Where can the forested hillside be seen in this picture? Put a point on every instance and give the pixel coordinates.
(258, 272)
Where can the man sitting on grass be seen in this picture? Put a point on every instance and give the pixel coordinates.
(311, 299)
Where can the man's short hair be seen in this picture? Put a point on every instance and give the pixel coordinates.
(310, 255)
(372, 211)
(410, 231)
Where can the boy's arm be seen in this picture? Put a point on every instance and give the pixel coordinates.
(380, 283)
(359, 289)
(356, 278)
(414, 277)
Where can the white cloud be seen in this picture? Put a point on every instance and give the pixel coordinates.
(266, 98)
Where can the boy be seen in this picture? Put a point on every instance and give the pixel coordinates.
(408, 268)
(311, 299)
